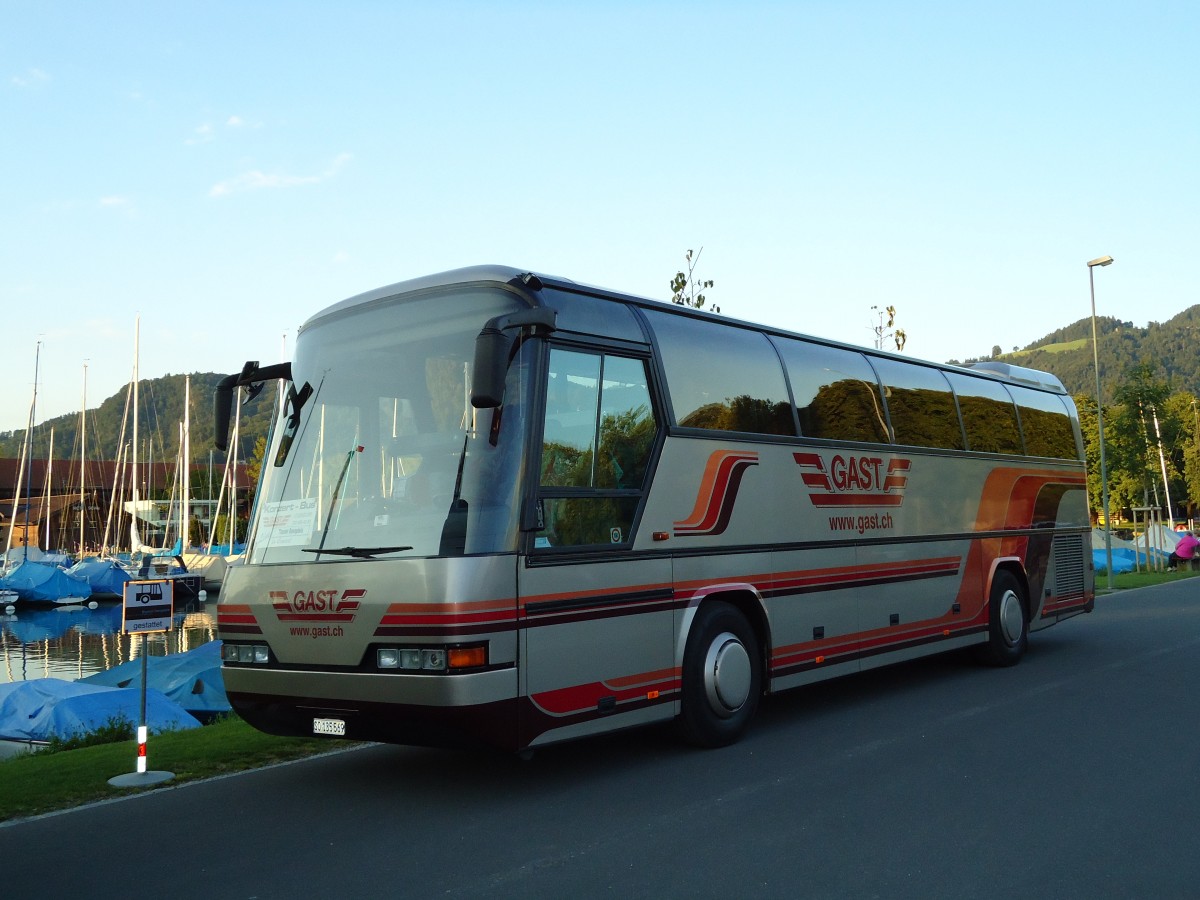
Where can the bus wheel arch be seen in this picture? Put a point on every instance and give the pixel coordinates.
(1008, 619)
(723, 672)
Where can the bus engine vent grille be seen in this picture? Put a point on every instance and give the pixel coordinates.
(1068, 565)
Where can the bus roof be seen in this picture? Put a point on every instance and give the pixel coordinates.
(529, 285)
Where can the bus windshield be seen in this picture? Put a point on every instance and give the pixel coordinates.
(378, 452)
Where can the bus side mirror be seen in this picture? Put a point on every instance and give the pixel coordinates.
(222, 404)
(252, 375)
(493, 351)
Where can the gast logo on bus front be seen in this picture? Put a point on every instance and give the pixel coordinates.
(854, 480)
(328, 605)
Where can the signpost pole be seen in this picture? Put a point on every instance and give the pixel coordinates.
(146, 609)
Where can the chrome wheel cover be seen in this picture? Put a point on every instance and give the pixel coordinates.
(1012, 618)
(728, 675)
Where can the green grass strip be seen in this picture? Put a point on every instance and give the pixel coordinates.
(36, 783)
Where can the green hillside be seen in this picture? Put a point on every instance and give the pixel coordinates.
(1169, 348)
(160, 410)
(1062, 347)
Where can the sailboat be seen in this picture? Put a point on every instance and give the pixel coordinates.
(36, 580)
(154, 561)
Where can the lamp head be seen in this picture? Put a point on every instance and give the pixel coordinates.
(1100, 261)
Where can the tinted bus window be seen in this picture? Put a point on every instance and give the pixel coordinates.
(988, 414)
(1045, 424)
(722, 378)
(920, 405)
(837, 396)
(597, 437)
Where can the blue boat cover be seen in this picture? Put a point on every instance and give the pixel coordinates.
(192, 679)
(104, 576)
(40, 583)
(45, 708)
(1122, 560)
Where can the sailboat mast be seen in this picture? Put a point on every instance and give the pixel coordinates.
(83, 464)
(133, 529)
(29, 452)
(45, 519)
(16, 504)
(185, 517)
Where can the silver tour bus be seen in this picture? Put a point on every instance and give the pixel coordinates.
(500, 508)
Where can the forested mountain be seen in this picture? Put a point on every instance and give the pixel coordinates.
(160, 412)
(1171, 349)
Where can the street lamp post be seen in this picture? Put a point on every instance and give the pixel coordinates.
(1101, 261)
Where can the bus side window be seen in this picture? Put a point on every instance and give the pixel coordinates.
(598, 433)
(569, 431)
(988, 414)
(1045, 424)
(627, 425)
(722, 378)
(837, 395)
(920, 405)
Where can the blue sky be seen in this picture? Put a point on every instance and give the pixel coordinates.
(224, 169)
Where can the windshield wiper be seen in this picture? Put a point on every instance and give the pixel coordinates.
(356, 552)
(337, 492)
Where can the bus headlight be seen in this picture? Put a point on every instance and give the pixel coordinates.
(432, 659)
(258, 654)
(388, 658)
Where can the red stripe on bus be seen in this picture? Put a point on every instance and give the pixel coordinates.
(504, 603)
(585, 698)
(240, 620)
(718, 491)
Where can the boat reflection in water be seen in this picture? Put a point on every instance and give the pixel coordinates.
(73, 642)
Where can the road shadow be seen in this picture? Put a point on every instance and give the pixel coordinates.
(785, 719)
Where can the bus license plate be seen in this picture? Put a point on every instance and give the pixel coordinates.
(333, 727)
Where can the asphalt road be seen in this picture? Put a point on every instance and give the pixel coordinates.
(1075, 774)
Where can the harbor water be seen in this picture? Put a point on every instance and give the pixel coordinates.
(71, 642)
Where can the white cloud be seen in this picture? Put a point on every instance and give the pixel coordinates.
(201, 134)
(341, 257)
(115, 201)
(256, 179)
(235, 122)
(30, 78)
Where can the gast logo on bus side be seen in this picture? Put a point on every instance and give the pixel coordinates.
(854, 480)
(322, 605)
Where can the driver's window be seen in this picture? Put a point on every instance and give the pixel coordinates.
(569, 436)
(598, 435)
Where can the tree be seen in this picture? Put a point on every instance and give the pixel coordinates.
(685, 290)
(1184, 409)
(882, 332)
(1145, 417)
(1138, 476)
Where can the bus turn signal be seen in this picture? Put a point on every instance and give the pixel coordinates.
(467, 657)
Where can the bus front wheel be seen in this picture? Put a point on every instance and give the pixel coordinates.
(722, 677)
(1008, 623)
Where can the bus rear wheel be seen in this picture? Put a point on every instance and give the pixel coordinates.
(1008, 623)
(722, 677)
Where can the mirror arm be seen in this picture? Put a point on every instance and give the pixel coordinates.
(251, 375)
